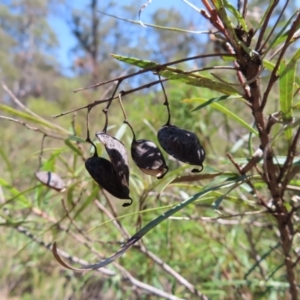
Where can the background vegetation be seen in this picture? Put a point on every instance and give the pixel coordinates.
(238, 237)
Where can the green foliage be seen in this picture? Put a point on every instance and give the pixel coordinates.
(218, 234)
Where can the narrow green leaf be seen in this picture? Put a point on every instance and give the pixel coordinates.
(76, 139)
(297, 105)
(19, 196)
(224, 110)
(179, 75)
(202, 176)
(286, 84)
(237, 14)
(49, 164)
(263, 257)
(72, 147)
(141, 232)
(282, 34)
(7, 162)
(219, 200)
(28, 117)
(268, 65)
(213, 100)
(220, 6)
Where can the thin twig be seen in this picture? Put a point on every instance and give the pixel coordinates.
(273, 27)
(97, 102)
(25, 108)
(265, 25)
(124, 273)
(274, 75)
(151, 255)
(156, 67)
(241, 83)
(32, 128)
(288, 163)
(64, 254)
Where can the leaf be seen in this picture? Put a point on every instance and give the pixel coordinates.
(297, 105)
(72, 147)
(213, 100)
(76, 139)
(49, 164)
(140, 233)
(7, 162)
(282, 36)
(224, 110)
(286, 84)
(262, 258)
(220, 7)
(219, 200)
(19, 196)
(268, 65)
(237, 14)
(180, 75)
(190, 178)
(27, 116)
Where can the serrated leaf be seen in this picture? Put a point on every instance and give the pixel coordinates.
(224, 110)
(179, 75)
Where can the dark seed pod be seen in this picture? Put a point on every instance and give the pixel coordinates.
(51, 180)
(103, 172)
(118, 156)
(182, 145)
(112, 175)
(149, 158)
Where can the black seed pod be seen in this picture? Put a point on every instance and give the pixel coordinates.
(182, 145)
(103, 172)
(148, 158)
(51, 180)
(118, 157)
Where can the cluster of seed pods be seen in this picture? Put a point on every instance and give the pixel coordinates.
(113, 175)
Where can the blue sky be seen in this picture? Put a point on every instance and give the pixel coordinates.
(67, 41)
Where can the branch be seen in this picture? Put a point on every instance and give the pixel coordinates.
(156, 67)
